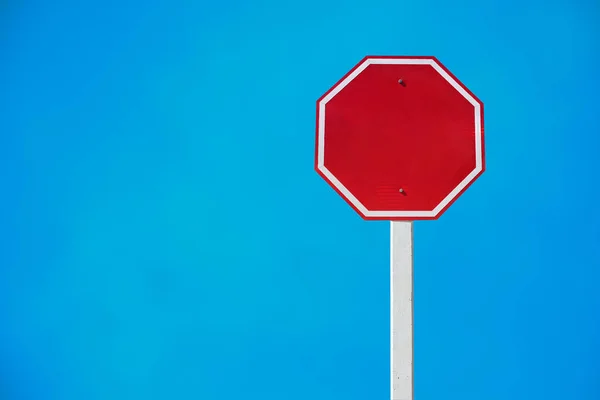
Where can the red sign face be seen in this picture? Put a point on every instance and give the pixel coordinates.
(399, 138)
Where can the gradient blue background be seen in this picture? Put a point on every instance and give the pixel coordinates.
(163, 234)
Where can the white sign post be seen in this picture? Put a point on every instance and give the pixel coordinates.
(401, 310)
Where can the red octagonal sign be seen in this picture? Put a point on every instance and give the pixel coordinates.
(399, 138)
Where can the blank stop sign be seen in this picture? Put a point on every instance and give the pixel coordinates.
(400, 138)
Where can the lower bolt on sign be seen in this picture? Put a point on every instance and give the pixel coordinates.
(400, 139)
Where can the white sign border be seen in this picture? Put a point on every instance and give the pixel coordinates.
(399, 214)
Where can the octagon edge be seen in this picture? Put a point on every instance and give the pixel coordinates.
(399, 215)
